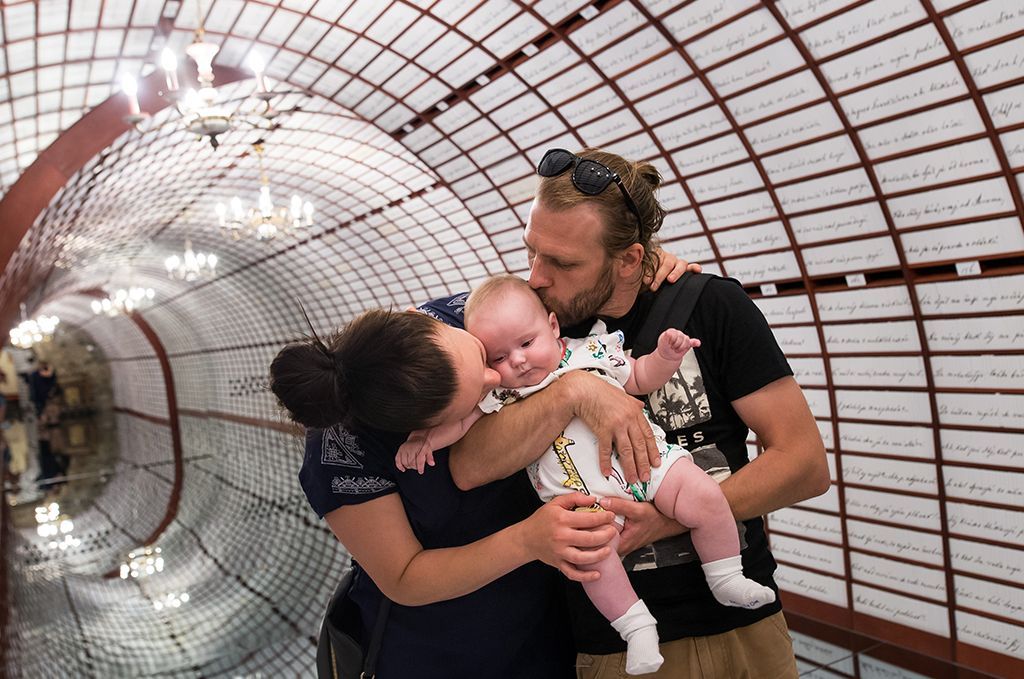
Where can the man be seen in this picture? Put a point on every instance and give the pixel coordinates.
(589, 244)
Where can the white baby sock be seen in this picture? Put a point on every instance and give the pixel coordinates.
(725, 578)
(639, 629)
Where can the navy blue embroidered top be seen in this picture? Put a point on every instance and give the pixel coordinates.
(515, 626)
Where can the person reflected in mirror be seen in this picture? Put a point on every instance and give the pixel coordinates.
(40, 385)
(53, 462)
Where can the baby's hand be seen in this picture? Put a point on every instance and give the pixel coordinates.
(673, 344)
(416, 452)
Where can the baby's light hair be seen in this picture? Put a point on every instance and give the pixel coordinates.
(495, 287)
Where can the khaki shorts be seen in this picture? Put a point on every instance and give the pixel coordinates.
(763, 650)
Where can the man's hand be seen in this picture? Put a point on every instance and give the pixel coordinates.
(416, 452)
(617, 420)
(644, 523)
(673, 344)
(566, 539)
(670, 268)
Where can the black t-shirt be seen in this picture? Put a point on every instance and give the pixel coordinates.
(513, 627)
(738, 355)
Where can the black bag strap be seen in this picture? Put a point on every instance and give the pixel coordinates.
(326, 658)
(672, 308)
(373, 650)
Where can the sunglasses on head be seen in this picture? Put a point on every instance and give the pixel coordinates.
(588, 176)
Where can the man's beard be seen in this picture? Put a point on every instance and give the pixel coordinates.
(584, 305)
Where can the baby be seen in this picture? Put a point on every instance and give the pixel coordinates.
(523, 344)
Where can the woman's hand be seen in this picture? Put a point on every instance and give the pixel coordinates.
(670, 268)
(644, 523)
(565, 539)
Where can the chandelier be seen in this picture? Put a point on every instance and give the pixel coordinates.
(191, 266)
(200, 109)
(51, 523)
(33, 331)
(266, 220)
(124, 301)
(142, 562)
(170, 600)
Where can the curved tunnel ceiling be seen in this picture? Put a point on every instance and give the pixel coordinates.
(855, 164)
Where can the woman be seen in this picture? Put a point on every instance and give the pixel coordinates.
(462, 566)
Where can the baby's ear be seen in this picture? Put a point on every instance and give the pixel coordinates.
(553, 320)
(411, 308)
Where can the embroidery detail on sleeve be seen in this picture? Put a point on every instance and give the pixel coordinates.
(340, 448)
(429, 312)
(359, 485)
(458, 302)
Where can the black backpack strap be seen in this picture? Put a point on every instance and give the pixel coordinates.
(672, 308)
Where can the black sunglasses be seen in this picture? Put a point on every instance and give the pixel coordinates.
(588, 176)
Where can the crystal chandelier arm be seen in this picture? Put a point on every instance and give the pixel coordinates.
(261, 123)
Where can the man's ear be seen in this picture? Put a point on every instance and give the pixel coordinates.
(630, 261)
(553, 320)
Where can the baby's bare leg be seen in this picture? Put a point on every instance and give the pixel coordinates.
(614, 597)
(693, 499)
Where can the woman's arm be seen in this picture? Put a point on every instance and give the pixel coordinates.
(412, 576)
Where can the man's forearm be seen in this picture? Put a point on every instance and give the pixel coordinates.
(503, 443)
(762, 487)
(792, 467)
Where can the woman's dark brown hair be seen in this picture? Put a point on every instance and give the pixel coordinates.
(385, 369)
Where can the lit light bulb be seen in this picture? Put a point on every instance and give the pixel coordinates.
(131, 90)
(169, 62)
(265, 203)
